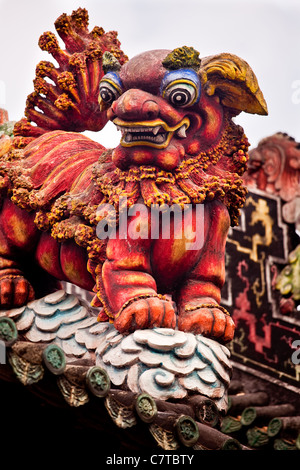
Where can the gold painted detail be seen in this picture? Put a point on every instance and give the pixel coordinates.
(259, 285)
(165, 439)
(260, 214)
(122, 415)
(73, 394)
(233, 79)
(137, 130)
(210, 306)
(25, 371)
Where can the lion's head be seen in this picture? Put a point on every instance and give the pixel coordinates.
(179, 143)
(171, 105)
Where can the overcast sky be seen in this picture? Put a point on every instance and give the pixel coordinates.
(266, 33)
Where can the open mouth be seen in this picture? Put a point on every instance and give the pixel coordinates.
(150, 133)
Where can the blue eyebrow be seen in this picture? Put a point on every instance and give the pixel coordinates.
(187, 74)
(114, 77)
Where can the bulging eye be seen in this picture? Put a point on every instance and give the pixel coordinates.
(110, 89)
(108, 92)
(181, 94)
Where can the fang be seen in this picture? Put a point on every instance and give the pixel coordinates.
(181, 132)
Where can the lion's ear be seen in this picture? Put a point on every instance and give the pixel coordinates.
(233, 80)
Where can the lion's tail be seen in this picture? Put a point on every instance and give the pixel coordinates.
(65, 95)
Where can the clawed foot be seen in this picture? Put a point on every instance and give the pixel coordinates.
(15, 291)
(148, 312)
(210, 321)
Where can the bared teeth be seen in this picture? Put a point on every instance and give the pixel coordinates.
(133, 137)
(181, 131)
(143, 133)
(139, 130)
(155, 134)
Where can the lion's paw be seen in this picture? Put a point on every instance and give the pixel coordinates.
(15, 291)
(211, 321)
(148, 312)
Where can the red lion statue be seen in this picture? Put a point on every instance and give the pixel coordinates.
(179, 147)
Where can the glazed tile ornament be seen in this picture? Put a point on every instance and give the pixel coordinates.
(162, 362)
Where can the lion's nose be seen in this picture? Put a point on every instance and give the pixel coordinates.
(150, 110)
(136, 105)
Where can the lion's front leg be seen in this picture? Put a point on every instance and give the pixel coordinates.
(131, 299)
(18, 237)
(129, 290)
(199, 309)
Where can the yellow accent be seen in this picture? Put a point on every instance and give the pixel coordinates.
(111, 82)
(235, 81)
(46, 261)
(139, 157)
(168, 159)
(157, 122)
(210, 306)
(19, 229)
(246, 360)
(188, 82)
(260, 214)
(153, 123)
(178, 251)
(255, 287)
(102, 105)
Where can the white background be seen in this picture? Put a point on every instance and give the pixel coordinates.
(265, 33)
